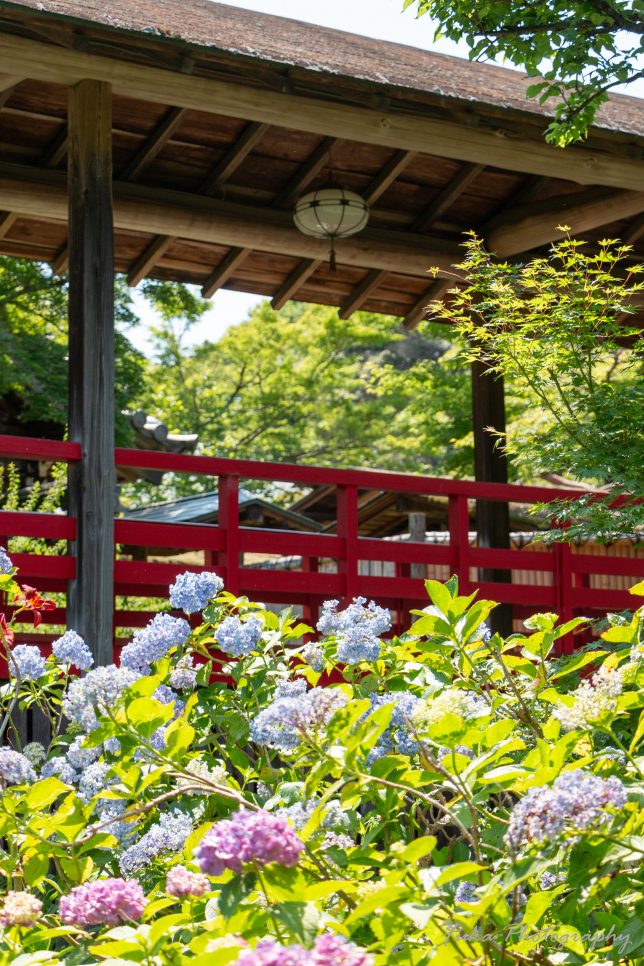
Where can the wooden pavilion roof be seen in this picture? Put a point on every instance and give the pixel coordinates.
(223, 117)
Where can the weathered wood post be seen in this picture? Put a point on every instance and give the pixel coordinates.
(91, 363)
(491, 466)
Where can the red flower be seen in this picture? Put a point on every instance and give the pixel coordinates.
(30, 599)
(6, 630)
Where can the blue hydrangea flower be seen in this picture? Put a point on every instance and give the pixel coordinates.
(167, 836)
(166, 695)
(5, 562)
(35, 752)
(576, 801)
(29, 661)
(96, 778)
(92, 695)
(184, 675)
(71, 649)
(238, 638)
(192, 592)
(153, 642)
(60, 768)
(15, 769)
(291, 718)
(79, 756)
(313, 655)
(398, 738)
(357, 629)
(465, 892)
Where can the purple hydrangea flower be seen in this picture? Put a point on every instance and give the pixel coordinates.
(238, 638)
(5, 562)
(357, 629)
(289, 719)
(180, 882)
(167, 836)
(97, 692)
(575, 801)
(15, 769)
(105, 902)
(257, 837)
(192, 592)
(71, 649)
(465, 892)
(153, 642)
(29, 661)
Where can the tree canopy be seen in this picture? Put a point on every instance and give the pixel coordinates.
(577, 50)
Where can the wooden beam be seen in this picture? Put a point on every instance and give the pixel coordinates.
(224, 270)
(42, 194)
(92, 482)
(635, 231)
(305, 175)
(418, 311)
(536, 225)
(154, 144)
(395, 166)
(491, 466)
(295, 280)
(234, 157)
(60, 263)
(8, 84)
(447, 196)
(361, 292)
(148, 259)
(444, 138)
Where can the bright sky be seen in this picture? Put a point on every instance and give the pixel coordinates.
(382, 19)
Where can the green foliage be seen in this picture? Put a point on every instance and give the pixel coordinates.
(302, 385)
(577, 50)
(404, 798)
(33, 344)
(561, 327)
(37, 499)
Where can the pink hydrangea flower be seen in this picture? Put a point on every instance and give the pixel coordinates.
(20, 909)
(257, 837)
(180, 882)
(329, 950)
(104, 902)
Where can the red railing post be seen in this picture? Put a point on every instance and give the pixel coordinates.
(563, 581)
(347, 512)
(459, 539)
(228, 520)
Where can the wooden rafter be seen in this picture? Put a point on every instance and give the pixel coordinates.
(535, 225)
(251, 136)
(288, 194)
(419, 310)
(295, 280)
(394, 167)
(155, 143)
(373, 280)
(635, 231)
(57, 149)
(446, 198)
(361, 292)
(7, 218)
(447, 138)
(215, 178)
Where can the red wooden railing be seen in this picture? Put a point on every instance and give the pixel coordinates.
(560, 578)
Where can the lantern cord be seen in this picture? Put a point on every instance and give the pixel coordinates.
(332, 260)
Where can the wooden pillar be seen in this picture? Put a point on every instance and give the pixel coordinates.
(92, 486)
(491, 466)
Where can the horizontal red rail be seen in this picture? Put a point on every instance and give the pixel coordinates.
(290, 567)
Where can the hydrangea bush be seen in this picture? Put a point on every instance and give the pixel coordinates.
(246, 791)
